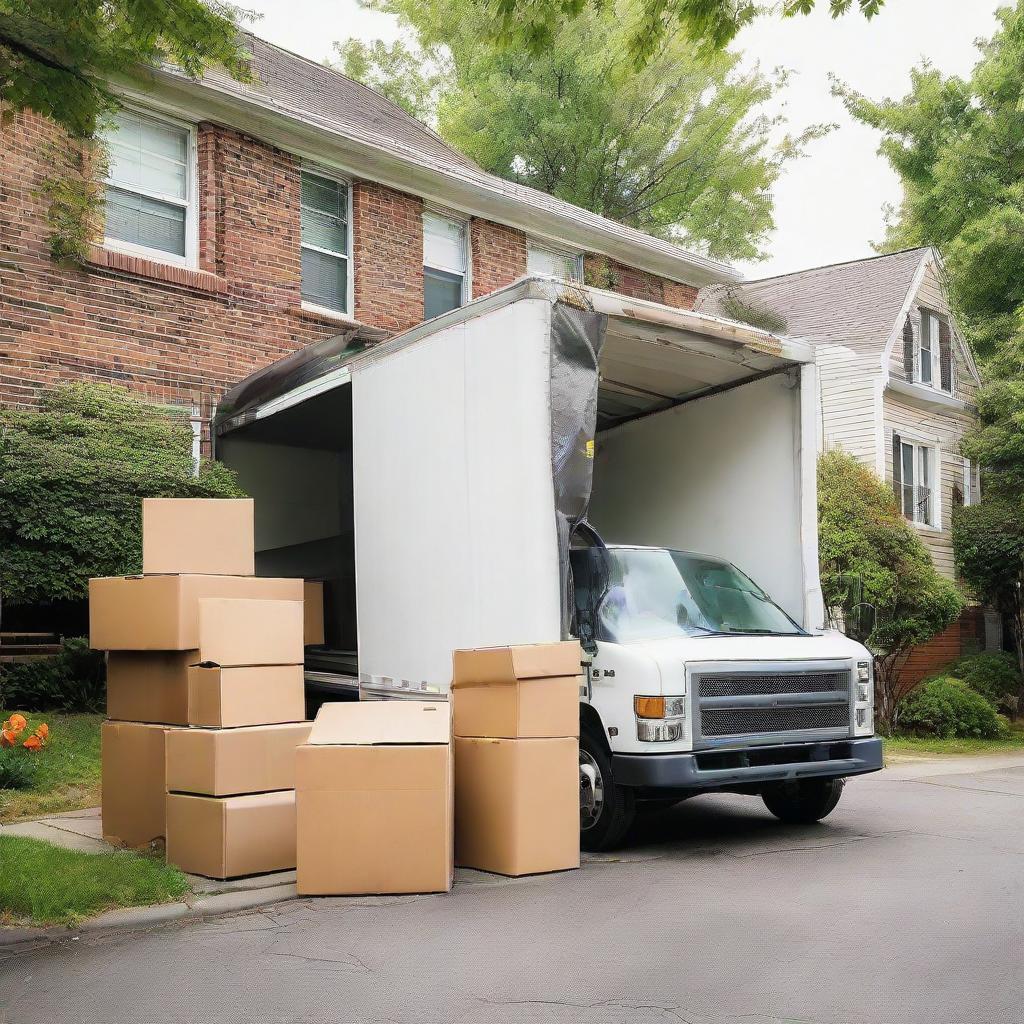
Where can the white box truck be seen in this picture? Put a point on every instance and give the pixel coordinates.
(553, 461)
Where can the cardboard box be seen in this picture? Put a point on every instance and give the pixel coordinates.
(517, 692)
(231, 836)
(215, 536)
(133, 786)
(313, 609)
(235, 631)
(246, 695)
(225, 762)
(517, 805)
(149, 686)
(374, 799)
(161, 613)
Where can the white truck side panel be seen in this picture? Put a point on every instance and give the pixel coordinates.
(454, 505)
(719, 475)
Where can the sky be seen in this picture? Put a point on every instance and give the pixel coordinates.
(829, 205)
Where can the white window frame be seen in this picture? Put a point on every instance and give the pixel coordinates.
(972, 484)
(467, 250)
(931, 322)
(560, 251)
(190, 202)
(920, 444)
(313, 307)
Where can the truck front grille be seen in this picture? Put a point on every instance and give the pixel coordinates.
(764, 706)
(742, 721)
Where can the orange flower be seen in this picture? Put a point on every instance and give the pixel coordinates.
(7, 737)
(16, 724)
(43, 732)
(32, 743)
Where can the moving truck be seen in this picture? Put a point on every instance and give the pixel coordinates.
(554, 461)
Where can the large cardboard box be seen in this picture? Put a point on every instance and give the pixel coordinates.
(161, 613)
(231, 836)
(236, 631)
(374, 799)
(133, 782)
(245, 695)
(313, 607)
(517, 692)
(225, 762)
(203, 535)
(149, 686)
(517, 805)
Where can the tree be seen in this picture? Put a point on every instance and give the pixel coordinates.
(72, 476)
(56, 56)
(712, 23)
(958, 147)
(676, 148)
(877, 577)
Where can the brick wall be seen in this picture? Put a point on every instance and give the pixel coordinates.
(184, 336)
(965, 636)
(388, 255)
(498, 254)
(602, 272)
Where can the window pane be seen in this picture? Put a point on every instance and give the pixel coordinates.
(324, 231)
(148, 155)
(554, 264)
(444, 243)
(441, 292)
(325, 195)
(324, 279)
(144, 221)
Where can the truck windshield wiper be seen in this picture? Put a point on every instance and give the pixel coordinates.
(746, 632)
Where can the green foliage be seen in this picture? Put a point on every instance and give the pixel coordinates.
(988, 540)
(755, 314)
(51, 884)
(948, 708)
(677, 148)
(56, 56)
(870, 555)
(535, 24)
(72, 476)
(73, 680)
(17, 768)
(993, 674)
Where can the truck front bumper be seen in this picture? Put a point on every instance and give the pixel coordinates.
(749, 766)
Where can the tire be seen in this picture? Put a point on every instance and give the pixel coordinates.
(605, 819)
(803, 803)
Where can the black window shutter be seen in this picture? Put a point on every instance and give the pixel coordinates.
(945, 357)
(908, 349)
(897, 470)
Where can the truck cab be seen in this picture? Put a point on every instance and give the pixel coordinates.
(696, 681)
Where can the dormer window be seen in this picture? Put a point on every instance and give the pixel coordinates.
(932, 363)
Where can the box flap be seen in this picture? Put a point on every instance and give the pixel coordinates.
(382, 721)
(506, 664)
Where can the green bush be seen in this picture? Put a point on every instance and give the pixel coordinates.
(17, 768)
(948, 708)
(992, 674)
(73, 680)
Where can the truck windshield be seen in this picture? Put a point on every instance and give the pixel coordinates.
(650, 593)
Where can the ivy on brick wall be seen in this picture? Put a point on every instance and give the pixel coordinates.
(73, 474)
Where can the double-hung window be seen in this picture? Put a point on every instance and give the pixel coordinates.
(326, 241)
(915, 479)
(150, 188)
(972, 483)
(541, 259)
(444, 264)
(934, 355)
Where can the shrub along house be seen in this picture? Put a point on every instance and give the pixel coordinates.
(245, 221)
(897, 382)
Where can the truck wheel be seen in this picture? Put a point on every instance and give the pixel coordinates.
(606, 810)
(801, 803)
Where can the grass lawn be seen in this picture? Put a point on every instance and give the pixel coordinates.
(67, 773)
(922, 746)
(47, 884)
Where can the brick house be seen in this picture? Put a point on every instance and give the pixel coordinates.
(897, 384)
(246, 221)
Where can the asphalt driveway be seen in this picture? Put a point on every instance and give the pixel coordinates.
(906, 905)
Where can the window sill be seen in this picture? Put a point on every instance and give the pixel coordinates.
(926, 394)
(321, 315)
(924, 527)
(154, 270)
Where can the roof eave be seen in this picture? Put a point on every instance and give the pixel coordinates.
(383, 161)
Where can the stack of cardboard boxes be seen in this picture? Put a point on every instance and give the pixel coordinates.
(516, 724)
(198, 640)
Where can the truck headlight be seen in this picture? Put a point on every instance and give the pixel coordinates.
(863, 700)
(659, 719)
